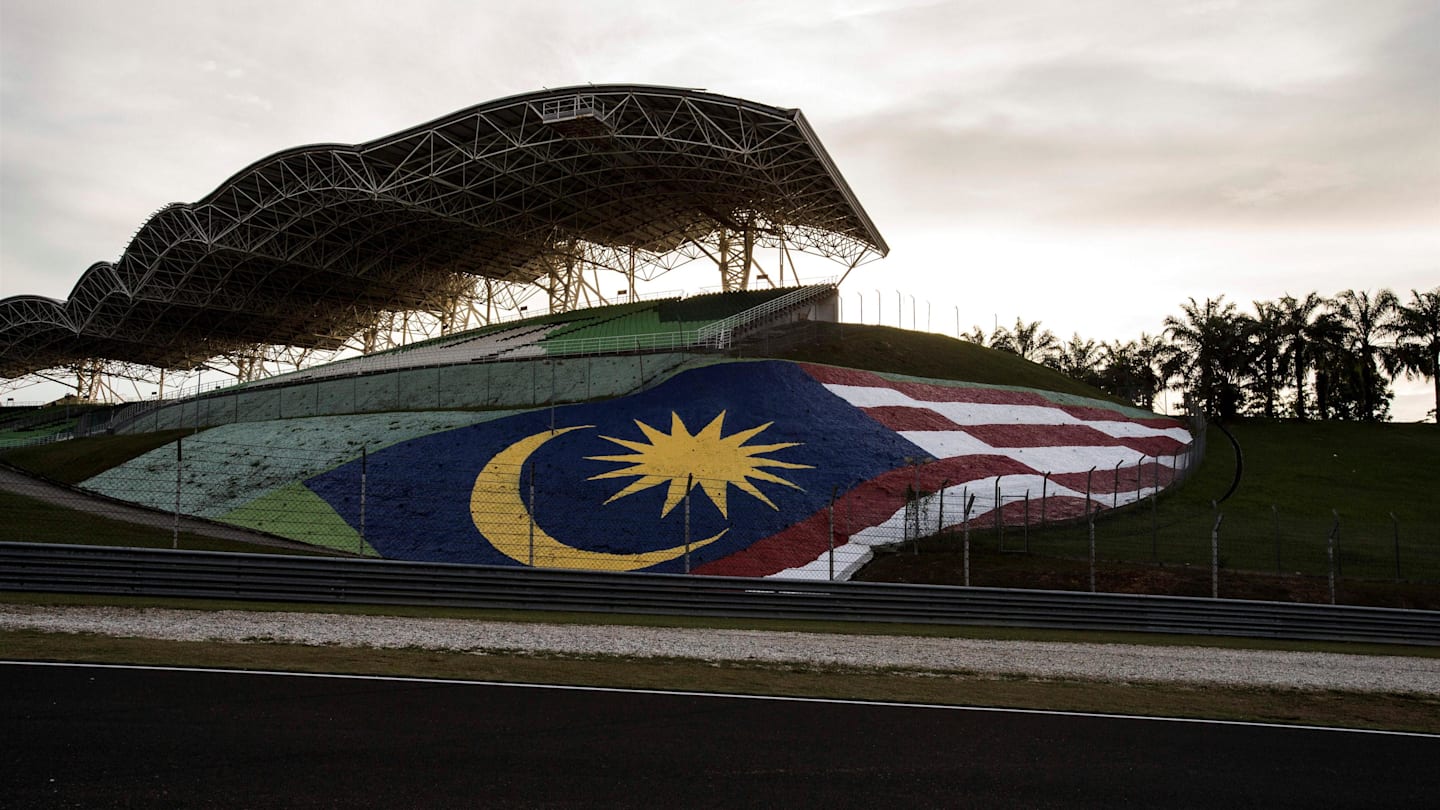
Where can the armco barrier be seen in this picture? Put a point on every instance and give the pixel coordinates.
(30, 567)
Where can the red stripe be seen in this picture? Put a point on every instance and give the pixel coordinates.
(1154, 445)
(1041, 436)
(869, 504)
(928, 392)
(901, 417)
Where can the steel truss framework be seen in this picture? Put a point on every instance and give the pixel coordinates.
(319, 247)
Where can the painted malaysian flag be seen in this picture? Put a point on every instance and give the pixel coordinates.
(732, 469)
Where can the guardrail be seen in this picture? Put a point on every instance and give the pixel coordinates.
(30, 567)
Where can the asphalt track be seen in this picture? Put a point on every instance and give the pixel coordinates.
(76, 736)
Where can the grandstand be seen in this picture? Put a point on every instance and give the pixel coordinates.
(602, 352)
(318, 248)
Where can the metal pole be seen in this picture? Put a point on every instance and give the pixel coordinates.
(1115, 494)
(915, 543)
(832, 533)
(1025, 529)
(1155, 516)
(689, 485)
(1215, 556)
(940, 514)
(179, 460)
(969, 501)
(530, 513)
(364, 486)
(999, 527)
(1087, 489)
(1044, 496)
(1090, 519)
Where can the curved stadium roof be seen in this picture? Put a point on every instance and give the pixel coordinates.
(308, 246)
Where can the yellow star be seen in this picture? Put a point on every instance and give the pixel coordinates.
(714, 461)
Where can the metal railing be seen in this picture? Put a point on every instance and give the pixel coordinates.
(26, 567)
(720, 333)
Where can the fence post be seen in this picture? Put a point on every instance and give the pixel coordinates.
(940, 512)
(999, 526)
(1025, 529)
(1395, 524)
(179, 463)
(831, 578)
(1330, 551)
(1090, 519)
(530, 514)
(969, 501)
(1044, 495)
(1115, 493)
(1155, 515)
(1215, 555)
(364, 486)
(689, 485)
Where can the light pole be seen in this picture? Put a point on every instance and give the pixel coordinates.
(862, 307)
(899, 311)
(957, 321)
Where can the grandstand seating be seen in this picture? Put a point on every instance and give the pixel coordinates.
(664, 323)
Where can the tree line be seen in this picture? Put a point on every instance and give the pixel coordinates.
(1306, 357)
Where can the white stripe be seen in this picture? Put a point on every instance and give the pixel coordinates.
(852, 555)
(718, 695)
(1056, 459)
(982, 413)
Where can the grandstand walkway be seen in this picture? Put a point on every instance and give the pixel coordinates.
(20, 483)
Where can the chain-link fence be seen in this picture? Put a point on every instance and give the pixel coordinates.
(344, 495)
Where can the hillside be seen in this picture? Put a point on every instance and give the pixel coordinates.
(917, 354)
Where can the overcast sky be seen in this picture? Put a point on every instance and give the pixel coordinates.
(1087, 164)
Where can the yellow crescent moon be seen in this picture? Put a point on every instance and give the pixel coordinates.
(500, 514)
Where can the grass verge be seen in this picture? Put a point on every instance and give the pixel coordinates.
(79, 459)
(29, 520)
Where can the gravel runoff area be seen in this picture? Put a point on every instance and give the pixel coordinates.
(1037, 659)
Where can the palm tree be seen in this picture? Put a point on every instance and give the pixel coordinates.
(976, 336)
(1366, 321)
(1027, 341)
(1079, 359)
(1298, 315)
(1128, 370)
(1267, 334)
(1210, 354)
(1417, 338)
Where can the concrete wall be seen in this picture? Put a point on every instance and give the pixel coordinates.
(515, 384)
